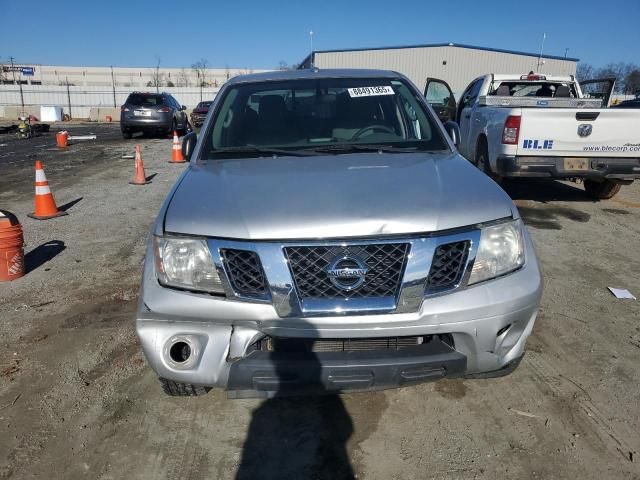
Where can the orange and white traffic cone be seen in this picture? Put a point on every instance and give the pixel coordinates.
(176, 153)
(45, 205)
(139, 177)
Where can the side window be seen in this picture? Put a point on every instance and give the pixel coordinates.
(471, 93)
(438, 93)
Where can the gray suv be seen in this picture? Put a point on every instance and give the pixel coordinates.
(157, 113)
(327, 236)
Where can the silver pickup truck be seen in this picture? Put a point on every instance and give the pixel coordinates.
(327, 236)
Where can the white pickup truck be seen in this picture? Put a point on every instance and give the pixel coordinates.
(544, 126)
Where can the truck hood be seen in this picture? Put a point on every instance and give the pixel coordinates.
(334, 196)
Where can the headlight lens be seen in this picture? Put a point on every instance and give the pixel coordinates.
(501, 251)
(186, 263)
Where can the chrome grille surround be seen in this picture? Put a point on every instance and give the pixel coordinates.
(283, 293)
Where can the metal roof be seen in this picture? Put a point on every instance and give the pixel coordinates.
(459, 45)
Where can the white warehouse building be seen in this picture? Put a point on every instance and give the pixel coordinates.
(456, 64)
(129, 77)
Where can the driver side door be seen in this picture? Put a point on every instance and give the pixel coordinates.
(464, 116)
(439, 95)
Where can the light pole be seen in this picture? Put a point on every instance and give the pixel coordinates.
(544, 36)
(19, 85)
(311, 42)
(113, 85)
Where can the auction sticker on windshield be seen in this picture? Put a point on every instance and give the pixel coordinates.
(370, 91)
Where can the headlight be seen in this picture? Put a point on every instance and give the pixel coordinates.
(501, 251)
(186, 263)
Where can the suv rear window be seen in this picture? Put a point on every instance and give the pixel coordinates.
(142, 100)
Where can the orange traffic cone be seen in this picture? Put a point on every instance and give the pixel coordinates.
(176, 153)
(45, 205)
(139, 177)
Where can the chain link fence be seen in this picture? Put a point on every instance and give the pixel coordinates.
(77, 101)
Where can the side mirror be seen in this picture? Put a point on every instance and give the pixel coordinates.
(188, 144)
(183, 107)
(453, 130)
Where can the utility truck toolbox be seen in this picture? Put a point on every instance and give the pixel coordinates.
(551, 127)
(327, 236)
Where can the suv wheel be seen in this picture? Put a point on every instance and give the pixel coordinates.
(177, 389)
(126, 135)
(602, 190)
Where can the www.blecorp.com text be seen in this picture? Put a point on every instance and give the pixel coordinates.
(629, 147)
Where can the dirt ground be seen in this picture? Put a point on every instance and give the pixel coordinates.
(77, 399)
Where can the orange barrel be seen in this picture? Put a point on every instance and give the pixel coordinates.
(62, 139)
(11, 247)
(108, 118)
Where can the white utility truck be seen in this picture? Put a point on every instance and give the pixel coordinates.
(544, 126)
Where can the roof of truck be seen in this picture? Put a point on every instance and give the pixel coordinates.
(516, 77)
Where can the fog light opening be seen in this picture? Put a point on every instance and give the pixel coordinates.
(180, 352)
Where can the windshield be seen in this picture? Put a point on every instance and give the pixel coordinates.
(331, 114)
(204, 105)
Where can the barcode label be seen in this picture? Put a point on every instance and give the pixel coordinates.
(370, 91)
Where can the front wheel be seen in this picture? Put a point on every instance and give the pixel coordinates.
(177, 389)
(126, 135)
(602, 190)
(186, 128)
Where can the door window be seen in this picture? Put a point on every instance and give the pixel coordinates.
(438, 93)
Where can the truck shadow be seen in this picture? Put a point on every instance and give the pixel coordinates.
(293, 437)
(540, 190)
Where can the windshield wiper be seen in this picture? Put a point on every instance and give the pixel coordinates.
(362, 148)
(270, 151)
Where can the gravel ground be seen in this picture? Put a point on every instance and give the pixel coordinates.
(77, 399)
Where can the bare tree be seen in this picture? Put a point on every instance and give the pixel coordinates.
(183, 78)
(618, 70)
(157, 78)
(200, 68)
(584, 71)
(632, 82)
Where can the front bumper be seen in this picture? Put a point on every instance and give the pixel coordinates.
(160, 122)
(489, 324)
(197, 119)
(624, 169)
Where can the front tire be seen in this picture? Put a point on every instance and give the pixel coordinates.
(601, 190)
(177, 389)
(126, 135)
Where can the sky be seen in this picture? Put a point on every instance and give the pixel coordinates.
(259, 34)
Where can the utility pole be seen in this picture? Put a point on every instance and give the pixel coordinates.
(311, 43)
(69, 98)
(566, 50)
(19, 84)
(113, 85)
